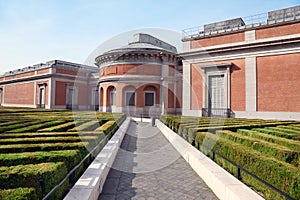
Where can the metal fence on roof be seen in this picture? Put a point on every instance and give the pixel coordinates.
(269, 18)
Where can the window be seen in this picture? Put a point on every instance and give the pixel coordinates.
(130, 99)
(42, 96)
(112, 98)
(70, 96)
(1, 91)
(149, 98)
(216, 91)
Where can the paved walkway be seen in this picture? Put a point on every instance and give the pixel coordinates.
(147, 167)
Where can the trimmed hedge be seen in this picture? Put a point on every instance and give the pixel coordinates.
(19, 148)
(18, 194)
(58, 128)
(30, 175)
(87, 126)
(280, 174)
(69, 157)
(18, 125)
(29, 139)
(44, 140)
(277, 133)
(48, 134)
(107, 127)
(35, 127)
(273, 150)
(292, 144)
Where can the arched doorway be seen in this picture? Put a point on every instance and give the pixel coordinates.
(101, 99)
(111, 99)
(129, 100)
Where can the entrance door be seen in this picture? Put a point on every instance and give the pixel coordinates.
(216, 94)
(1, 96)
(112, 99)
(129, 103)
(42, 97)
(70, 94)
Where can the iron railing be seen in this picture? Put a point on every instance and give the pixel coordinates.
(40, 106)
(240, 168)
(250, 21)
(217, 112)
(71, 107)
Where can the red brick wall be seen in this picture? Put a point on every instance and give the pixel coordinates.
(83, 94)
(60, 93)
(179, 94)
(43, 71)
(19, 93)
(278, 31)
(238, 85)
(217, 40)
(171, 95)
(196, 87)
(24, 75)
(134, 69)
(278, 83)
(69, 72)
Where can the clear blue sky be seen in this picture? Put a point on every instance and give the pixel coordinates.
(34, 31)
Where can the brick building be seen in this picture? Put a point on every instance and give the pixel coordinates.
(240, 69)
(142, 78)
(231, 68)
(54, 84)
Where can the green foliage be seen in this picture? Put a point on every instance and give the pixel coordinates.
(273, 150)
(278, 173)
(268, 148)
(18, 194)
(30, 176)
(69, 157)
(37, 144)
(292, 144)
(35, 127)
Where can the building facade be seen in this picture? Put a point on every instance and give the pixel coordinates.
(233, 68)
(142, 78)
(54, 85)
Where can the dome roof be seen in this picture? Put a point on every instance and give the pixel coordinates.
(142, 48)
(145, 42)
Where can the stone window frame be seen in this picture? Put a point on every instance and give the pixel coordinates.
(135, 99)
(1, 96)
(216, 70)
(42, 86)
(75, 94)
(154, 97)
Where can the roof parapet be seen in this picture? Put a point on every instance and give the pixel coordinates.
(149, 39)
(264, 19)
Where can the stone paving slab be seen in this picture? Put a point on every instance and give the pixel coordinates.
(147, 167)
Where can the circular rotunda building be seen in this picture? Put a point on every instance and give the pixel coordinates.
(143, 78)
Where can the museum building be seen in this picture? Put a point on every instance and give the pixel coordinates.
(233, 68)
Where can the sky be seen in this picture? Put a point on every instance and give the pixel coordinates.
(37, 31)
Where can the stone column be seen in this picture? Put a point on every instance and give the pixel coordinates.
(164, 89)
(186, 88)
(251, 84)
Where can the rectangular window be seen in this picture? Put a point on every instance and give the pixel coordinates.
(42, 96)
(70, 96)
(113, 98)
(149, 98)
(130, 98)
(216, 91)
(1, 91)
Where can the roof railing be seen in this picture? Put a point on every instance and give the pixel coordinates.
(257, 20)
